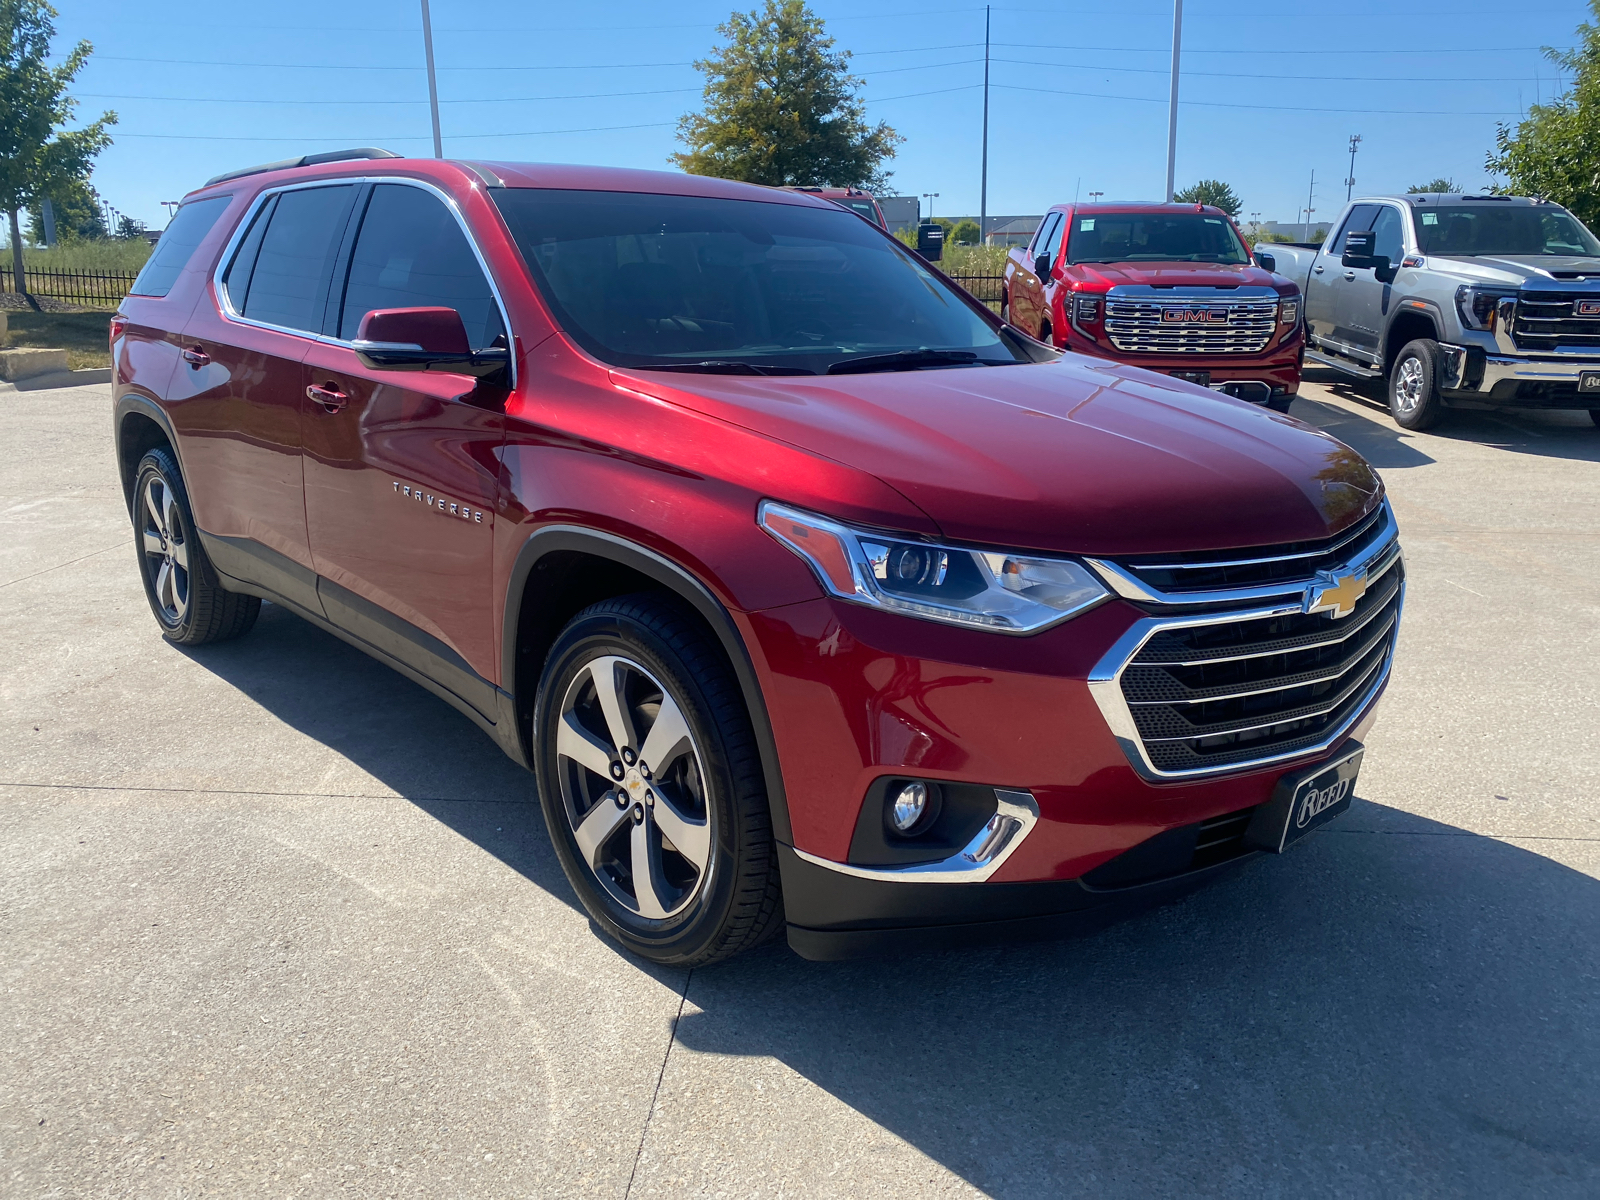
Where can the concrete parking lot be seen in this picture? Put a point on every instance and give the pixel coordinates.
(275, 921)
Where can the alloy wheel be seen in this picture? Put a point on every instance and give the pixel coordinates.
(633, 786)
(1408, 386)
(166, 549)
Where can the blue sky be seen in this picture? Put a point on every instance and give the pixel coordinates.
(1078, 103)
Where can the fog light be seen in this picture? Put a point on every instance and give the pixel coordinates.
(909, 805)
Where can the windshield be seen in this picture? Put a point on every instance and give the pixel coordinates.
(1154, 237)
(1499, 228)
(687, 282)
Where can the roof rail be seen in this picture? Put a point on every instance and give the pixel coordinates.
(305, 160)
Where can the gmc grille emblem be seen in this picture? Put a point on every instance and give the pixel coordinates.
(1203, 316)
(1589, 308)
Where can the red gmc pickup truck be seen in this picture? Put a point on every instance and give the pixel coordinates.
(816, 599)
(1169, 287)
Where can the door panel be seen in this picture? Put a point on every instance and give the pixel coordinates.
(402, 481)
(1364, 302)
(1325, 287)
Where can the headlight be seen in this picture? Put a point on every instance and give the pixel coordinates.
(981, 589)
(1288, 310)
(1477, 305)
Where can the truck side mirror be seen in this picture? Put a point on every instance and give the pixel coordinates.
(1041, 266)
(930, 240)
(1358, 248)
(1266, 261)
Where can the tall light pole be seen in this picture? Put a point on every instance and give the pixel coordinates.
(1172, 106)
(930, 197)
(433, 83)
(1350, 183)
(983, 187)
(1094, 197)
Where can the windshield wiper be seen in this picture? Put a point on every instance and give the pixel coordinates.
(904, 360)
(726, 366)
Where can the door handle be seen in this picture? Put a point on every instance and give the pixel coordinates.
(1317, 270)
(328, 395)
(1349, 276)
(196, 357)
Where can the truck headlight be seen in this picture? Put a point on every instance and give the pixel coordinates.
(997, 590)
(1289, 310)
(1478, 305)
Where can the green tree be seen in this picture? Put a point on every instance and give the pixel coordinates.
(781, 107)
(37, 156)
(966, 233)
(1555, 152)
(1440, 184)
(1213, 192)
(77, 210)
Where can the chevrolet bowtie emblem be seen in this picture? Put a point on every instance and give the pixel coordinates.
(1336, 594)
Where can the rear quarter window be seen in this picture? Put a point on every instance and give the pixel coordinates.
(179, 241)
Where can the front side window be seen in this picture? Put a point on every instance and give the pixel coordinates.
(286, 285)
(1358, 220)
(1154, 237)
(1496, 227)
(411, 253)
(714, 284)
(1047, 229)
(1052, 242)
(179, 240)
(1390, 235)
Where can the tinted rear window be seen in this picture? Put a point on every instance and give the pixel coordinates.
(289, 283)
(180, 239)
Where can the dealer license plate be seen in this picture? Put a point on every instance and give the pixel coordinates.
(1589, 383)
(1203, 378)
(1303, 801)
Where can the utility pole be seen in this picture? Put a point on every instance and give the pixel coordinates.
(433, 83)
(1350, 183)
(983, 189)
(1310, 191)
(1172, 107)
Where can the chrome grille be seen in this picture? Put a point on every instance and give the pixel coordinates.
(1138, 326)
(1545, 320)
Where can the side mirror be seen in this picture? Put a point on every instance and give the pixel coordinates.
(1041, 266)
(1358, 248)
(1266, 262)
(424, 339)
(930, 241)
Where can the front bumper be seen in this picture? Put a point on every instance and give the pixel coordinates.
(1274, 373)
(1548, 381)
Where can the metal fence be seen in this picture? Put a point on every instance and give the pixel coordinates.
(95, 289)
(983, 287)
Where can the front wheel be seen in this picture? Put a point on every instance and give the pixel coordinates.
(652, 786)
(1414, 385)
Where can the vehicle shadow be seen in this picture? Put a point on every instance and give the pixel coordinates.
(402, 735)
(1396, 1008)
(1371, 431)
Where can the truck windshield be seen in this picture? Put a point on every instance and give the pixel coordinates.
(739, 286)
(1154, 237)
(1498, 228)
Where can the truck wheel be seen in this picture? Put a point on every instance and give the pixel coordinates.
(1594, 415)
(1413, 385)
(652, 786)
(189, 603)
(1005, 308)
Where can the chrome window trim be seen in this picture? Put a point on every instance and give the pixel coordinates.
(1105, 685)
(1016, 815)
(232, 315)
(1127, 585)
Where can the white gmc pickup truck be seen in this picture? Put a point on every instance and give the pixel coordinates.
(1455, 300)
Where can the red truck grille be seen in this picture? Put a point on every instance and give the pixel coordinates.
(1191, 325)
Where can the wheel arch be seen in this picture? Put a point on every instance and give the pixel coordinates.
(562, 569)
(141, 426)
(1412, 319)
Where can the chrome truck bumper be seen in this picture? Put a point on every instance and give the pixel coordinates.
(1468, 372)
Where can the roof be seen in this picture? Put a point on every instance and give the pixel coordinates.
(1131, 206)
(1459, 197)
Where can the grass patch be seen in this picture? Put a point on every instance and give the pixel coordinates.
(101, 254)
(973, 260)
(84, 335)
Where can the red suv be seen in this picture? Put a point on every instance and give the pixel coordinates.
(1170, 287)
(815, 597)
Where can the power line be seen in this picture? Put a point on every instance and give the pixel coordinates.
(401, 137)
(1092, 68)
(1404, 112)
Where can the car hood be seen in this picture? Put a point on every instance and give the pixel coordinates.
(1521, 268)
(1080, 455)
(1104, 276)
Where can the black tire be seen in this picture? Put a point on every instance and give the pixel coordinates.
(188, 601)
(688, 913)
(1005, 308)
(1594, 415)
(1045, 333)
(1280, 404)
(1414, 385)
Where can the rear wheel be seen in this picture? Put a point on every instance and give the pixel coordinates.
(1414, 385)
(188, 601)
(652, 787)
